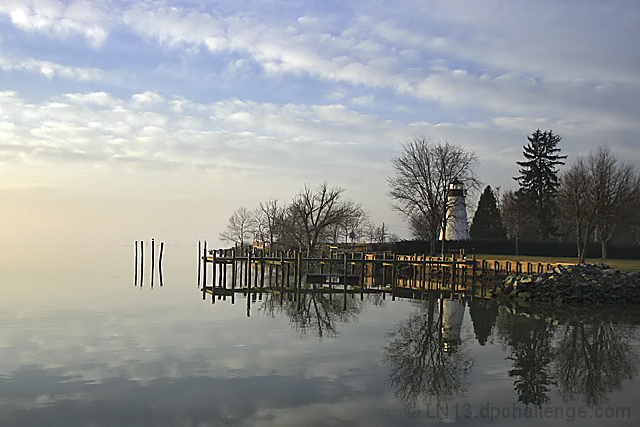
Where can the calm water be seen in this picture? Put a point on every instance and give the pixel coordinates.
(80, 345)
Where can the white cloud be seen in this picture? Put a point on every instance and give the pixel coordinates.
(88, 19)
(98, 127)
(51, 69)
(483, 77)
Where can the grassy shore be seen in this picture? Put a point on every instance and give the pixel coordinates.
(630, 265)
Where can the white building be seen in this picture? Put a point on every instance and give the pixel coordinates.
(457, 225)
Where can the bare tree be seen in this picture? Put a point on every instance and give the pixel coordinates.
(422, 176)
(620, 198)
(357, 223)
(578, 198)
(240, 226)
(269, 216)
(353, 227)
(516, 217)
(599, 192)
(311, 213)
(381, 234)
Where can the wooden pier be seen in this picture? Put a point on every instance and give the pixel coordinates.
(224, 272)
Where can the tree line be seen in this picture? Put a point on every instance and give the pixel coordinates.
(311, 218)
(595, 198)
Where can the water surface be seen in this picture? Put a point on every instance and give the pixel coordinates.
(80, 345)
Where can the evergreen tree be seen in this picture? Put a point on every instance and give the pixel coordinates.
(539, 178)
(487, 221)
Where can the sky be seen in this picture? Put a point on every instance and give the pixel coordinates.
(126, 120)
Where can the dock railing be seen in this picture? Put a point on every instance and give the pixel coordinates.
(234, 270)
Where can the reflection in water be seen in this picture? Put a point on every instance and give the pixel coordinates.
(318, 312)
(428, 357)
(483, 315)
(424, 354)
(593, 360)
(588, 358)
(531, 353)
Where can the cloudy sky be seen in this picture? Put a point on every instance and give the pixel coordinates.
(129, 119)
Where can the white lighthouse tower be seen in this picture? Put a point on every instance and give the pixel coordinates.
(457, 226)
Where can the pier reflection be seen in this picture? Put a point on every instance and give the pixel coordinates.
(318, 313)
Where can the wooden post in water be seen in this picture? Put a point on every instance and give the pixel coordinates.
(384, 270)
(160, 263)
(282, 278)
(473, 270)
(135, 267)
(248, 298)
(453, 273)
(226, 268)
(393, 272)
(153, 260)
(288, 272)
(213, 278)
(204, 272)
(262, 269)
(299, 269)
(248, 270)
(296, 268)
(330, 261)
(199, 261)
(141, 262)
(345, 273)
(233, 268)
(240, 268)
(271, 275)
(362, 270)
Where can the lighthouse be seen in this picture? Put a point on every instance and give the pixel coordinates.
(457, 226)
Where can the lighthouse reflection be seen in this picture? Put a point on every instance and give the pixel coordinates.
(426, 356)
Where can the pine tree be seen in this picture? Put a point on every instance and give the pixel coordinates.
(487, 221)
(539, 178)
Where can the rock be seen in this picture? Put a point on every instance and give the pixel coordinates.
(577, 284)
(524, 295)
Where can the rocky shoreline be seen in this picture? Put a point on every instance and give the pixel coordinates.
(571, 285)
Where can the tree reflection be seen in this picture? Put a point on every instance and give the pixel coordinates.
(319, 312)
(483, 316)
(588, 359)
(424, 355)
(532, 354)
(594, 360)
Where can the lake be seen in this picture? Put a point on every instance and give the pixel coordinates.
(80, 345)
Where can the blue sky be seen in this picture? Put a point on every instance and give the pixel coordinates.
(164, 117)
